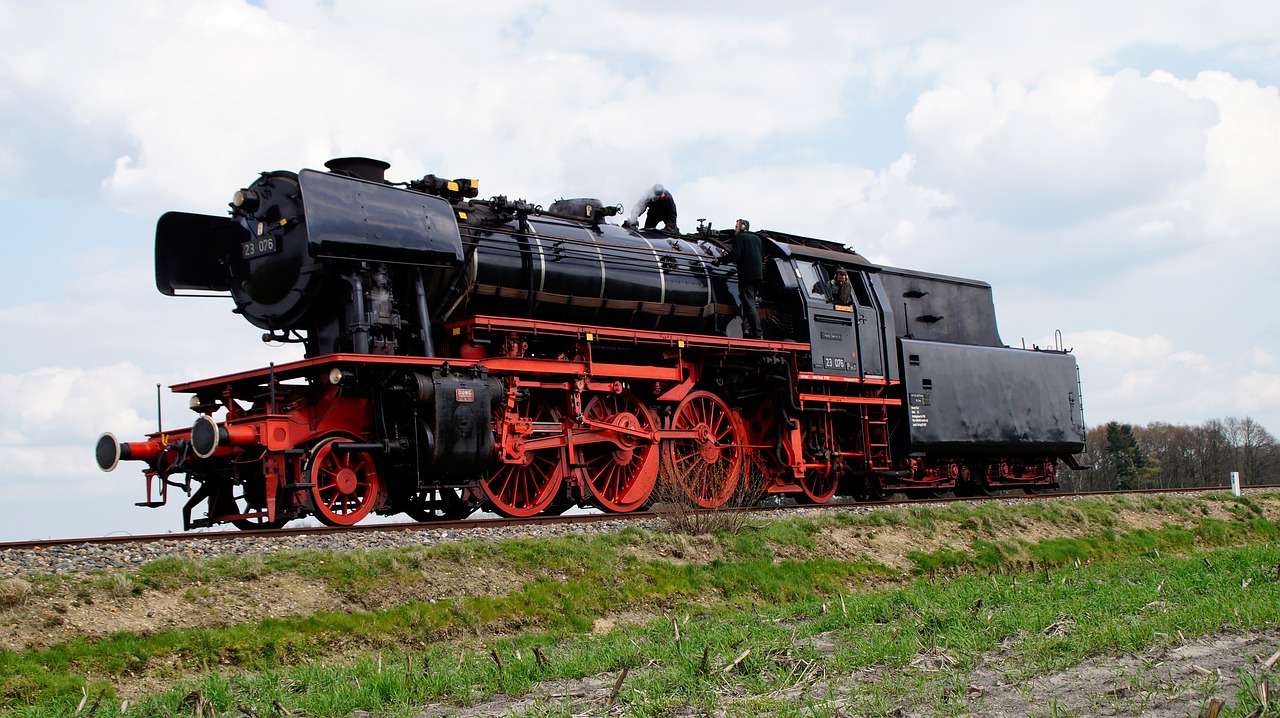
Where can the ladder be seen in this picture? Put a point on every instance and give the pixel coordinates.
(876, 436)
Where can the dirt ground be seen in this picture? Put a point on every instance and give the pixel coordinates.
(1160, 684)
(1171, 682)
(1168, 683)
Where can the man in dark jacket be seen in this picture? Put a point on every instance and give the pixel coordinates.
(657, 206)
(747, 253)
(841, 289)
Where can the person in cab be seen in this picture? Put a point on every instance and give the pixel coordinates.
(841, 289)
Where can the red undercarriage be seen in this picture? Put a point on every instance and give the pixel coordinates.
(309, 437)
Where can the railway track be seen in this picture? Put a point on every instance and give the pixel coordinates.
(499, 522)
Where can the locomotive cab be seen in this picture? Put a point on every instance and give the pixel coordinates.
(847, 340)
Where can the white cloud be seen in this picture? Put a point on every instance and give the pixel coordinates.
(1237, 193)
(874, 213)
(1261, 358)
(210, 92)
(1073, 147)
(1155, 228)
(1256, 392)
(1140, 379)
(51, 406)
(1133, 208)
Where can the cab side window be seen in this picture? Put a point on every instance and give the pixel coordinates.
(814, 279)
(860, 293)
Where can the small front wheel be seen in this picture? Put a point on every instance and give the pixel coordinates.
(345, 483)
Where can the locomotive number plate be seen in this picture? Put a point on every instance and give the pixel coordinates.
(834, 363)
(259, 246)
(464, 396)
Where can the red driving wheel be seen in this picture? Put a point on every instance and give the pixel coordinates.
(708, 465)
(622, 470)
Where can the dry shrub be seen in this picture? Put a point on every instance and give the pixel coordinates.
(14, 592)
(117, 584)
(680, 514)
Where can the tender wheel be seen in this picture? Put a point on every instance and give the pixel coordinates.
(820, 477)
(529, 486)
(620, 470)
(436, 505)
(924, 493)
(707, 467)
(976, 485)
(346, 484)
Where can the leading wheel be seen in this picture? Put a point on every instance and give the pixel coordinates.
(249, 495)
(258, 523)
(528, 486)
(345, 483)
(706, 466)
(233, 500)
(621, 469)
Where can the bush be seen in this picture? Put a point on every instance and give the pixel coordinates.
(679, 513)
(14, 592)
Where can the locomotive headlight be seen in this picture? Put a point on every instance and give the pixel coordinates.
(335, 376)
(245, 199)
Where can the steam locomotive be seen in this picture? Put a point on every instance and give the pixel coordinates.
(466, 353)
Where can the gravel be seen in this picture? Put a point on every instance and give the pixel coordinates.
(90, 557)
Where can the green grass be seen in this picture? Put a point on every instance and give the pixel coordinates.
(357, 572)
(1042, 606)
(1105, 608)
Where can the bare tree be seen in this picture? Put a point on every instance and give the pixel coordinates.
(1163, 455)
(1253, 449)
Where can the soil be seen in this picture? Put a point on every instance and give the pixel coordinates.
(1166, 682)
(1158, 684)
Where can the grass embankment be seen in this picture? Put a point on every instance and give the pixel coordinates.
(1006, 592)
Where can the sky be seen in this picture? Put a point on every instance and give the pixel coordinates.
(1111, 169)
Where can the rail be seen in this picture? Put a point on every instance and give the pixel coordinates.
(485, 523)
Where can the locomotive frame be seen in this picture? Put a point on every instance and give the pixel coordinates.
(444, 375)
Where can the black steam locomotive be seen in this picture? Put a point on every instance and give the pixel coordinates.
(463, 353)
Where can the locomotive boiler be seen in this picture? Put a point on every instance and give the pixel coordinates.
(465, 353)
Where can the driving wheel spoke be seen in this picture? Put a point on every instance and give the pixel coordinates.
(708, 466)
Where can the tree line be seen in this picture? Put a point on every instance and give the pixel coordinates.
(1160, 455)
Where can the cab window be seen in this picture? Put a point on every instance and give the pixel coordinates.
(860, 293)
(814, 279)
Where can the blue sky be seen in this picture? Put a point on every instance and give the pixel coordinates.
(1111, 169)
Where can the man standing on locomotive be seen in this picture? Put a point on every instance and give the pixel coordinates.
(745, 251)
(660, 206)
